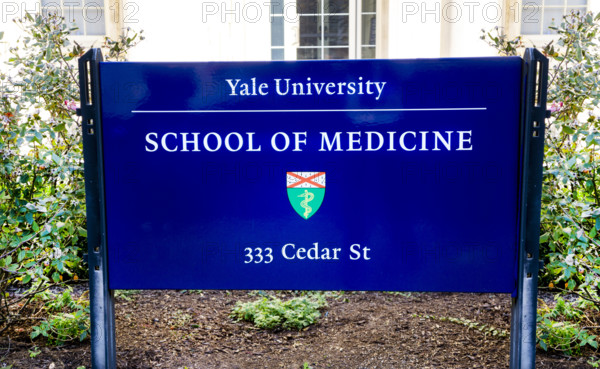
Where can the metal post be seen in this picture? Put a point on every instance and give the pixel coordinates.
(524, 304)
(101, 297)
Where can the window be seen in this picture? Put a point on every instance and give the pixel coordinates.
(323, 29)
(367, 29)
(277, 30)
(538, 15)
(87, 15)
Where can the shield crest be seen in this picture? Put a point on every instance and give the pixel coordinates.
(306, 191)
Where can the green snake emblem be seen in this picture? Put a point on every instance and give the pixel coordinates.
(308, 196)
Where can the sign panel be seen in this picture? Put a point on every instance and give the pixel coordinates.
(352, 175)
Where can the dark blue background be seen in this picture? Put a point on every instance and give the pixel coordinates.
(434, 220)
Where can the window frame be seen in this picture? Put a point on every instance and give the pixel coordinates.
(514, 25)
(113, 22)
(291, 30)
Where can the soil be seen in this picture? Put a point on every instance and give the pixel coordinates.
(179, 329)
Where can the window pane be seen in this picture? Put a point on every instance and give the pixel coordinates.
(336, 30)
(94, 21)
(552, 17)
(336, 53)
(277, 54)
(277, 31)
(310, 30)
(52, 10)
(368, 6)
(94, 3)
(310, 53)
(368, 30)
(530, 24)
(307, 6)
(539, 15)
(335, 6)
(368, 52)
(277, 7)
(74, 18)
(69, 4)
(577, 9)
(51, 3)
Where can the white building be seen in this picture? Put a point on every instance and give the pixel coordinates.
(223, 30)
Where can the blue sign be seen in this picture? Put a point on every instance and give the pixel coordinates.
(344, 175)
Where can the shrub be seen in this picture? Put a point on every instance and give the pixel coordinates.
(42, 196)
(570, 219)
(68, 319)
(271, 312)
(559, 327)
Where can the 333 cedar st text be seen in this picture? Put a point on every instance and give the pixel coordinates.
(289, 251)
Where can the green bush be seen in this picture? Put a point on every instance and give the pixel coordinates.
(559, 328)
(68, 319)
(571, 197)
(271, 312)
(570, 219)
(42, 196)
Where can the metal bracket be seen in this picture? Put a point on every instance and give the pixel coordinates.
(524, 304)
(101, 297)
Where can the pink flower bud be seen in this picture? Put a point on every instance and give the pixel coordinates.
(71, 105)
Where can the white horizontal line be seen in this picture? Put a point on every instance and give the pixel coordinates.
(299, 110)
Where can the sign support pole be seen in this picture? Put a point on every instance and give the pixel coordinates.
(524, 305)
(101, 297)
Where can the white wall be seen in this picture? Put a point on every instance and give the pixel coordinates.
(222, 30)
(462, 22)
(440, 28)
(10, 10)
(181, 30)
(413, 29)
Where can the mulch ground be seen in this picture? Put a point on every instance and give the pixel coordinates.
(179, 329)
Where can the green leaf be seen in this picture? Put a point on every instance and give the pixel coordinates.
(82, 231)
(56, 159)
(60, 127)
